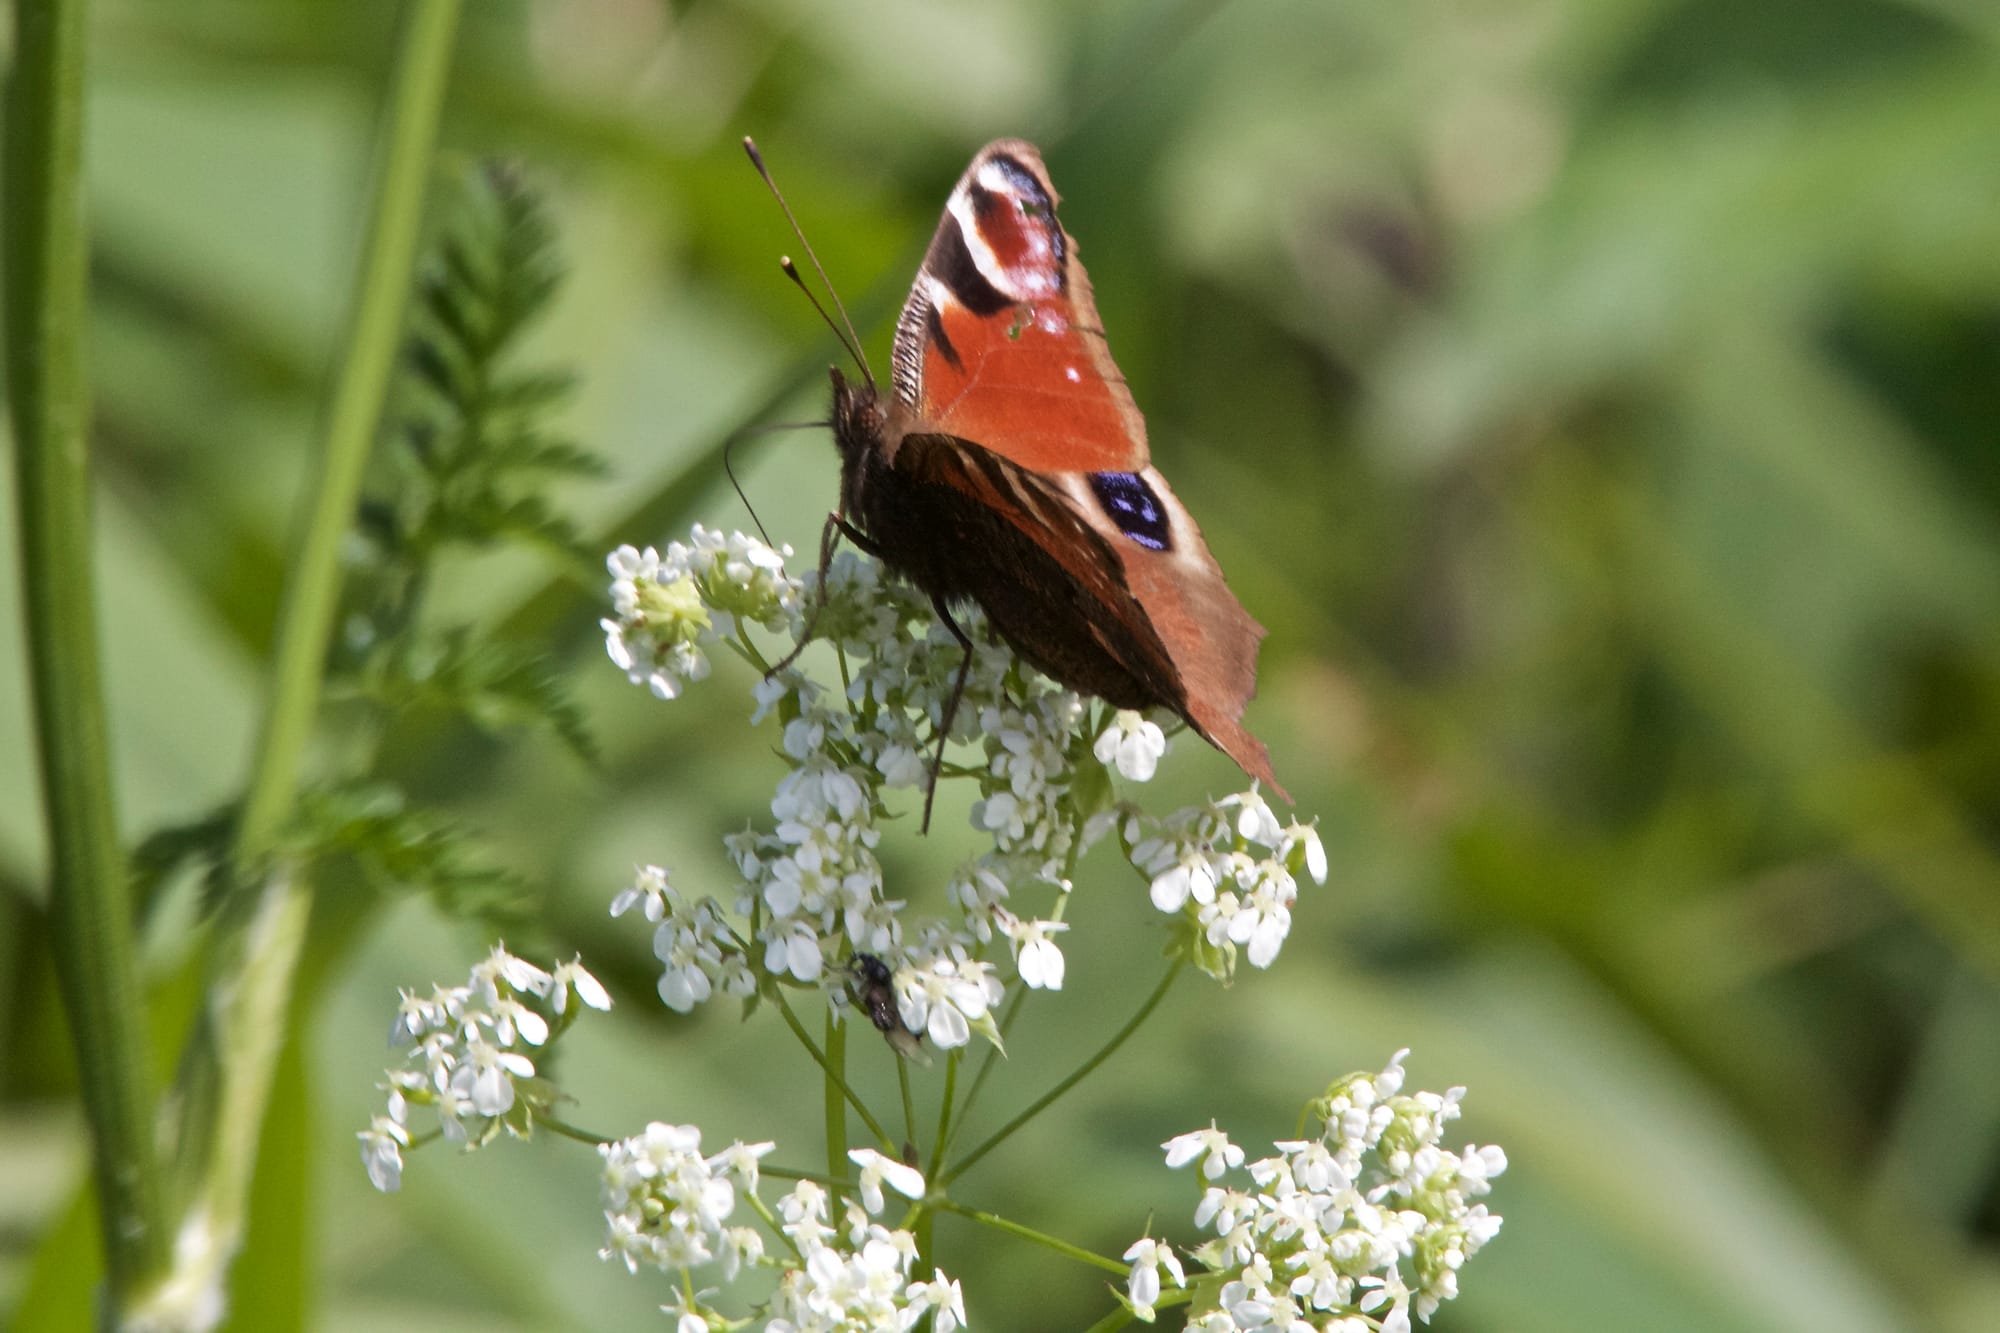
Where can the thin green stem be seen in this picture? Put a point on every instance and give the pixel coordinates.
(834, 1091)
(924, 1228)
(945, 1127)
(225, 1079)
(826, 1067)
(769, 1218)
(1081, 1072)
(909, 1105)
(1041, 1238)
(562, 1128)
(90, 923)
(374, 336)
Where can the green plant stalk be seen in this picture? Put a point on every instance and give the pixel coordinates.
(1041, 1238)
(373, 339)
(225, 1079)
(946, 1128)
(1081, 1072)
(909, 1105)
(838, 1086)
(90, 924)
(833, 1087)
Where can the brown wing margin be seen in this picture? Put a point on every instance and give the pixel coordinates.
(1212, 640)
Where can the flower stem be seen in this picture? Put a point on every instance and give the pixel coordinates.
(90, 925)
(909, 1106)
(833, 1088)
(946, 1128)
(1077, 1076)
(225, 1079)
(1041, 1238)
(564, 1129)
(373, 339)
(837, 1160)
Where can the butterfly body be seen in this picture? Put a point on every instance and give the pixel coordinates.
(1008, 467)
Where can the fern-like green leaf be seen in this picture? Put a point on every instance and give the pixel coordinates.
(399, 848)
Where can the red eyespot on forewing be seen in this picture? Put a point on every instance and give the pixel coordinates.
(1007, 220)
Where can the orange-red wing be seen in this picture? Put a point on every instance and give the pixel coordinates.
(1000, 342)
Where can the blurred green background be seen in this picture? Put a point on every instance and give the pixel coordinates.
(1600, 402)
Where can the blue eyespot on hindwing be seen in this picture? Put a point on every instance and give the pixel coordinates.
(1130, 503)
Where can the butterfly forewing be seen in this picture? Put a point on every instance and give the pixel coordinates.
(1000, 341)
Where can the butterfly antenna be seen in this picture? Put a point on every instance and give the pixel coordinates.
(844, 330)
(792, 271)
(729, 465)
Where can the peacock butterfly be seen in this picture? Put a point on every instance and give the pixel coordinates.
(1008, 467)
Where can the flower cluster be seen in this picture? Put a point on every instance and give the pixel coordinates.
(465, 1051)
(1372, 1218)
(1358, 1230)
(812, 895)
(1231, 870)
(668, 1207)
(670, 608)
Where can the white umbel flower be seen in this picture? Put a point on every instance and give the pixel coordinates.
(1361, 1228)
(1133, 744)
(465, 1055)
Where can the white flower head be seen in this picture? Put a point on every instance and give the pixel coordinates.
(943, 1298)
(1211, 1145)
(1360, 1229)
(381, 1152)
(462, 1055)
(572, 978)
(1150, 1258)
(877, 1170)
(947, 999)
(1256, 822)
(1133, 744)
(1036, 955)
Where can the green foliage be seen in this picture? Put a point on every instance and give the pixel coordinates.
(400, 847)
(200, 845)
(467, 468)
(473, 447)
(470, 439)
(498, 687)
(368, 826)
(473, 437)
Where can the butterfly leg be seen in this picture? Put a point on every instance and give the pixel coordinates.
(836, 526)
(855, 535)
(951, 704)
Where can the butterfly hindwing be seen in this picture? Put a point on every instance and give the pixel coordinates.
(1050, 582)
(1101, 580)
